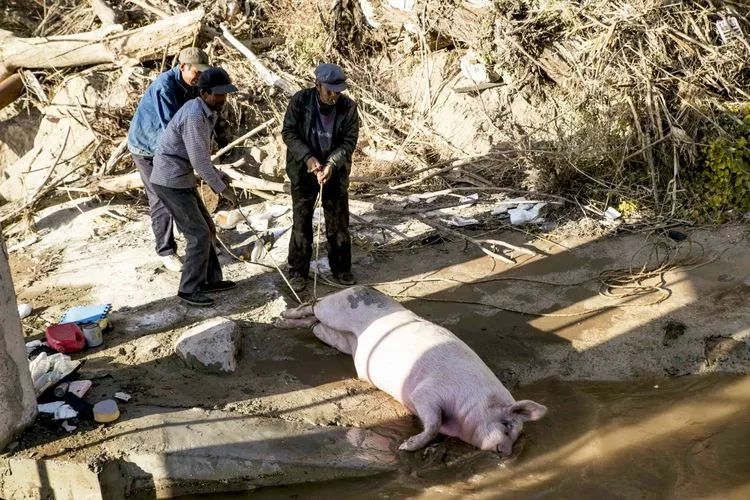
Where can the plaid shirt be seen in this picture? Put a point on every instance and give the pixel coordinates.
(185, 148)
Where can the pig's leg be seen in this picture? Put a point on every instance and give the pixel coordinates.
(298, 312)
(430, 415)
(343, 341)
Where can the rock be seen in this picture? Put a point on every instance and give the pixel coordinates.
(211, 346)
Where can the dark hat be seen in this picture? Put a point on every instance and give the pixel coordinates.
(194, 57)
(332, 76)
(217, 80)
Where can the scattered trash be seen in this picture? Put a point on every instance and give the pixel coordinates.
(517, 203)
(46, 371)
(228, 219)
(123, 396)
(33, 345)
(728, 29)
(106, 325)
(469, 200)
(523, 215)
(80, 387)
(86, 314)
(677, 235)
(50, 407)
(65, 338)
(460, 221)
(68, 427)
(320, 265)
(106, 411)
(93, 334)
(24, 310)
(65, 412)
(61, 389)
(612, 214)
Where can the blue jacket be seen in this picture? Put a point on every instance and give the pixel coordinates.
(163, 98)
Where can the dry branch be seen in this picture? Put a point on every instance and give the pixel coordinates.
(149, 42)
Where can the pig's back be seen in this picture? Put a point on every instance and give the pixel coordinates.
(400, 351)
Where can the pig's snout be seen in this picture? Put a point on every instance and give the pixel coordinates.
(505, 449)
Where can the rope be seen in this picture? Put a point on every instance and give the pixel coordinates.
(273, 261)
(614, 283)
(318, 203)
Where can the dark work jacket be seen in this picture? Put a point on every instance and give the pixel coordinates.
(296, 130)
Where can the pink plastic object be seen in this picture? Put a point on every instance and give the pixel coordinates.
(65, 338)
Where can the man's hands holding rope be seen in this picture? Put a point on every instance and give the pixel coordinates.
(322, 172)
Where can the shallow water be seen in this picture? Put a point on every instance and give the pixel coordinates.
(686, 437)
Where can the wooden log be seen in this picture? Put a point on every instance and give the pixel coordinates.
(101, 46)
(10, 89)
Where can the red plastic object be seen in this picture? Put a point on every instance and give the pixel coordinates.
(65, 338)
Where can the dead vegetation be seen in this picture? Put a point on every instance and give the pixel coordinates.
(603, 103)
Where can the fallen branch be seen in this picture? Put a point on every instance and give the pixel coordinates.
(100, 46)
(115, 156)
(243, 138)
(479, 243)
(269, 76)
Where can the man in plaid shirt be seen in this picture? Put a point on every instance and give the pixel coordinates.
(184, 149)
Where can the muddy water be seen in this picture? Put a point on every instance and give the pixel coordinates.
(685, 437)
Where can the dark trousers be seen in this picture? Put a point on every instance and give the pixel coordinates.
(201, 264)
(161, 219)
(336, 211)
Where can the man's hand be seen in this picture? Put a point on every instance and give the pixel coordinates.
(313, 165)
(324, 174)
(229, 195)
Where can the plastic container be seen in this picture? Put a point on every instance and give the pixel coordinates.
(65, 338)
(93, 334)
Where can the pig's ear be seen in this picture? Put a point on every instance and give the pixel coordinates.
(527, 410)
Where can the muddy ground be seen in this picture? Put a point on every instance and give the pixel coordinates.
(645, 399)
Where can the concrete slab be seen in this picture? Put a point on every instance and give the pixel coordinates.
(197, 451)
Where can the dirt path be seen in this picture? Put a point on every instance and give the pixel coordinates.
(624, 417)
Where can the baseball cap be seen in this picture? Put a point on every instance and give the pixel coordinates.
(217, 80)
(195, 57)
(332, 76)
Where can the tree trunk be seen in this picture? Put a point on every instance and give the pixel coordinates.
(94, 47)
(17, 397)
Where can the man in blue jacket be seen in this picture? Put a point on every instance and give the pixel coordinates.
(163, 98)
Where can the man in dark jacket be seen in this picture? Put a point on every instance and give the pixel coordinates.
(163, 98)
(321, 127)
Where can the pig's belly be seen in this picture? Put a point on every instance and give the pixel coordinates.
(393, 349)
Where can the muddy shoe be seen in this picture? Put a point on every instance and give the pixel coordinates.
(298, 283)
(345, 278)
(196, 299)
(218, 286)
(172, 263)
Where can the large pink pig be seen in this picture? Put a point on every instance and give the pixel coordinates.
(422, 365)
